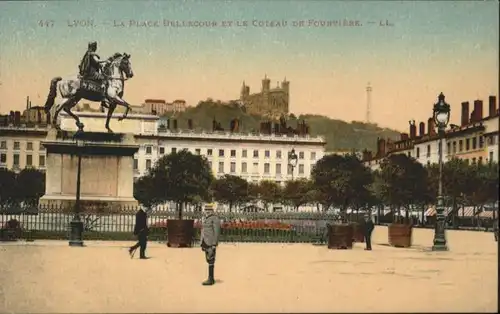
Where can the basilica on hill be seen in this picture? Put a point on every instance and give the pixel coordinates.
(269, 102)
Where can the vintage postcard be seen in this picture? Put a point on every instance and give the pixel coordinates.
(249, 156)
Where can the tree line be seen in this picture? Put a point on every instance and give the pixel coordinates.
(23, 188)
(342, 182)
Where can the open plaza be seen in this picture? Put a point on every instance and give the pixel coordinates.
(49, 276)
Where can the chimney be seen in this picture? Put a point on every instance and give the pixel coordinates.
(366, 155)
(231, 125)
(190, 124)
(175, 124)
(236, 125)
(214, 125)
(478, 110)
(492, 104)
(17, 118)
(413, 129)
(465, 113)
(380, 147)
(27, 102)
(421, 127)
(431, 128)
(276, 128)
(404, 136)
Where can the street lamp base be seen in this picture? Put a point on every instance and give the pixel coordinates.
(76, 237)
(440, 247)
(76, 243)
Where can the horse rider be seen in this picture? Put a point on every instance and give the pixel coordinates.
(91, 65)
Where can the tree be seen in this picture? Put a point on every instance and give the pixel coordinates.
(486, 187)
(459, 183)
(147, 192)
(296, 192)
(230, 190)
(341, 180)
(7, 187)
(182, 177)
(403, 181)
(30, 186)
(253, 192)
(269, 192)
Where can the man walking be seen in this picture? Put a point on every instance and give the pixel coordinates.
(209, 239)
(368, 229)
(141, 231)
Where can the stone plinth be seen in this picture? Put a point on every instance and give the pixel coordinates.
(106, 177)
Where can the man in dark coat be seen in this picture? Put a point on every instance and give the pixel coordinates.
(209, 240)
(368, 227)
(141, 231)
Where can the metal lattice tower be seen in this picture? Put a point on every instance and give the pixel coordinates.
(368, 103)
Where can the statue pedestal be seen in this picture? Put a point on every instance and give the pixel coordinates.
(106, 172)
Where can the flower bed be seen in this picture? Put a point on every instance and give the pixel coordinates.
(253, 225)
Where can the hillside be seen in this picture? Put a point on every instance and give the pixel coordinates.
(339, 134)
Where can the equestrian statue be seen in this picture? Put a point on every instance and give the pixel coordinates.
(101, 81)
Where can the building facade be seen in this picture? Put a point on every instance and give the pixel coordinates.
(160, 107)
(254, 157)
(270, 102)
(474, 140)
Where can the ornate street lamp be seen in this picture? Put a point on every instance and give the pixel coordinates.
(441, 114)
(76, 238)
(292, 160)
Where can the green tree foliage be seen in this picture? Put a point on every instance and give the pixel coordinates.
(343, 181)
(181, 177)
(230, 190)
(147, 192)
(486, 191)
(464, 184)
(30, 186)
(7, 187)
(403, 181)
(298, 192)
(269, 193)
(338, 134)
(458, 180)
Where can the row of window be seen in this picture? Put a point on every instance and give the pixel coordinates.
(17, 145)
(470, 144)
(244, 167)
(16, 159)
(232, 153)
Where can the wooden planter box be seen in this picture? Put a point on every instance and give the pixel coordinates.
(400, 235)
(340, 236)
(357, 230)
(180, 233)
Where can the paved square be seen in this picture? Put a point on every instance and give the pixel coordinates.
(49, 276)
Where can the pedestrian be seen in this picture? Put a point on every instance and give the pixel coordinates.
(368, 229)
(141, 231)
(210, 230)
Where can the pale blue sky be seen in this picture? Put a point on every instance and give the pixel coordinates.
(448, 46)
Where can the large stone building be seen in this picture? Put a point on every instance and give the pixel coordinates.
(270, 102)
(474, 140)
(160, 107)
(253, 157)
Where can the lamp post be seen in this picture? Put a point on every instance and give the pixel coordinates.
(292, 160)
(76, 238)
(441, 115)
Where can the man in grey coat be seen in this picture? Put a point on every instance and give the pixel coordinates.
(210, 231)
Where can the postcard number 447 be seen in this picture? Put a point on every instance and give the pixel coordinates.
(46, 23)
